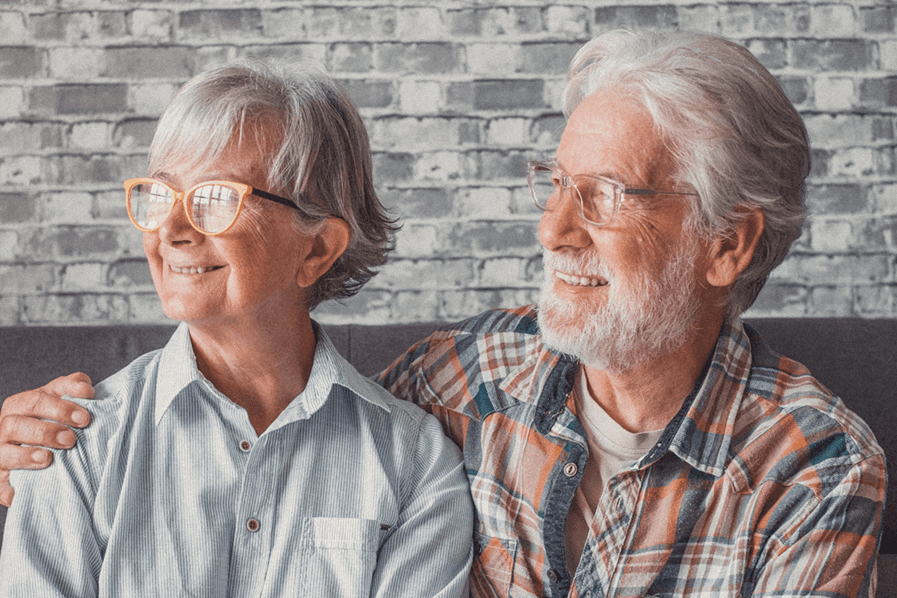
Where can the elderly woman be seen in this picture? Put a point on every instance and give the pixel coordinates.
(247, 457)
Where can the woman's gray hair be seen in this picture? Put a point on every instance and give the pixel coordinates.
(320, 153)
(732, 132)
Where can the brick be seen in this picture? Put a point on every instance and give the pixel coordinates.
(420, 23)
(837, 199)
(699, 18)
(887, 52)
(419, 202)
(110, 205)
(496, 95)
(833, 55)
(351, 22)
(213, 25)
(831, 300)
(419, 97)
(660, 16)
(465, 303)
(12, 24)
(9, 311)
(831, 236)
(150, 99)
(833, 93)
(19, 63)
(22, 137)
(74, 309)
(883, 198)
(417, 240)
(550, 58)
(879, 93)
(68, 208)
(736, 20)
(135, 133)
(78, 242)
(89, 135)
(351, 58)
(833, 269)
(12, 101)
(492, 239)
(852, 162)
(310, 53)
(148, 62)
(27, 279)
(506, 272)
(145, 308)
(483, 203)
(368, 306)
(77, 169)
(154, 25)
(423, 58)
(393, 167)
(834, 20)
(546, 131)
(287, 24)
(129, 273)
(788, 19)
(878, 19)
(369, 93)
(496, 22)
(839, 130)
(416, 306)
(567, 21)
(492, 165)
(71, 99)
(493, 58)
(20, 170)
(874, 301)
(17, 207)
(508, 131)
(88, 276)
(780, 300)
(771, 53)
(75, 64)
(426, 274)
(437, 166)
(418, 133)
(796, 89)
(10, 248)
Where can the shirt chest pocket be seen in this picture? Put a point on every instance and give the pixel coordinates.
(338, 556)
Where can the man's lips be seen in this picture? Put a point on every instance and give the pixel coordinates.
(192, 269)
(581, 281)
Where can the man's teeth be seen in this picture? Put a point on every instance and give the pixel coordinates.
(193, 269)
(583, 281)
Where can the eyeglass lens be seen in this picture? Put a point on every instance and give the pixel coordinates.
(596, 197)
(212, 208)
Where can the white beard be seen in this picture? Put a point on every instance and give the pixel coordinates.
(642, 319)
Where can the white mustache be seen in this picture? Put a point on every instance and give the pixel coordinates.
(588, 266)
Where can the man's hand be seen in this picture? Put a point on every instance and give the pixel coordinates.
(39, 417)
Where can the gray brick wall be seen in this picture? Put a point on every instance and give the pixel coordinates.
(456, 96)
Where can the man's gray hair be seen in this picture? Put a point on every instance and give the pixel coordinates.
(321, 154)
(734, 135)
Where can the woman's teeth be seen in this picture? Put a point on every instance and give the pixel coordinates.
(582, 281)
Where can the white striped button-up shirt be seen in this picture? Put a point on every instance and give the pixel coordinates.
(170, 492)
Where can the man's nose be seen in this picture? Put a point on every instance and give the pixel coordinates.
(562, 224)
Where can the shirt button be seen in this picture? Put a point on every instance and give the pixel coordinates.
(570, 469)
(252, 525)
(245, 446)
(553, 576)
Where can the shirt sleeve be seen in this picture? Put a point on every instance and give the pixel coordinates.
(429, 551)
(50, 546)
(833, 548)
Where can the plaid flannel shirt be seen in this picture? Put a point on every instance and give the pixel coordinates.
(763, 484)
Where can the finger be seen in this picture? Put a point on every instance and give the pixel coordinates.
(6, 491)
(21, 429)
(45, 404)
(74, 385)
(22, 457)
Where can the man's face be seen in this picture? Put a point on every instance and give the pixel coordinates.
(622, 294)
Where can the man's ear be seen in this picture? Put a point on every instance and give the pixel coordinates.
(326, 246)
(731, 253)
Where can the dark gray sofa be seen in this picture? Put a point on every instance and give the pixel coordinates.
(855, 358)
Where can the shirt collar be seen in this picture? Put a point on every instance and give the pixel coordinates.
(177, 370)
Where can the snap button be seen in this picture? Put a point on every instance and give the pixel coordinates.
(252, 525)
(245, 446)
(570, 469)
(553, 576)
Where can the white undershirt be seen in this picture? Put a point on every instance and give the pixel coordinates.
(611, 450)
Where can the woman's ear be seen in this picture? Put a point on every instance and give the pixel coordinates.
(731, 253)
(326, 246)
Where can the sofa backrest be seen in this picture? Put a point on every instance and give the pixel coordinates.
(855, 358)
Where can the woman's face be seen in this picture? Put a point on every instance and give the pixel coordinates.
(250, 271)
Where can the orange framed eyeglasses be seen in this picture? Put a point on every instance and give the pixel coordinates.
(212, 207)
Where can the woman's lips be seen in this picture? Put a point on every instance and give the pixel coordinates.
(192, 269)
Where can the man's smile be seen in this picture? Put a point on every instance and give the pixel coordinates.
(581, 281)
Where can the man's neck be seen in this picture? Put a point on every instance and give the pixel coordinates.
(647, 396)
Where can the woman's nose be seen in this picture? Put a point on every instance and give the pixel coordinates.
(176, 227)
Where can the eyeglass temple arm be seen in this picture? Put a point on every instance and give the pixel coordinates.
(653, 192)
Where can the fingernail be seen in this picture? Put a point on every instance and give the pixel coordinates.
(65, 437)
(39, 456)
(80, 418)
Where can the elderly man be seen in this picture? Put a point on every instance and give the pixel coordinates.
(630, 436)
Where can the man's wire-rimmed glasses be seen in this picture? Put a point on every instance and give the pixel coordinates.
(599, 197)
(212, 207)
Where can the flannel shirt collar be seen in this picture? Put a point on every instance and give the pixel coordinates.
(178, 369)
(700, 433)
